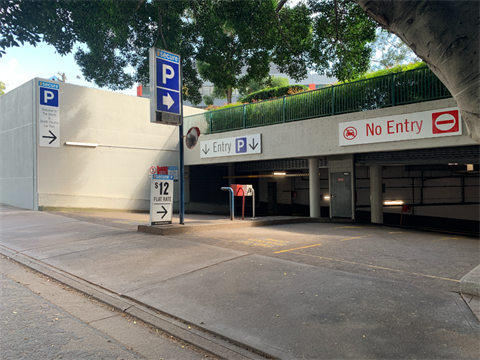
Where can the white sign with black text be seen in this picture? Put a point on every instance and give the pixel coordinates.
(420, 125)
(161, 199)
(241, 145)
(48, 114)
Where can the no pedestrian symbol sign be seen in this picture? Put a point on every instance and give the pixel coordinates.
(165, 75)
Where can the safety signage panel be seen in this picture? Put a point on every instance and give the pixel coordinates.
(240, 145)
(167, 82)
(164, 170)
(161, 199)
(420, 125)
(48, 114)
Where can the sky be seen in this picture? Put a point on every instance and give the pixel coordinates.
(21, 64)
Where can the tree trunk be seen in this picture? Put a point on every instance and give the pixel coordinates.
(229, 93)
(445, 35)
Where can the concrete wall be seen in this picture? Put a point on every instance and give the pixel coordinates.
(442, 192)
(18, 146)
(319, 137)
(113, 175)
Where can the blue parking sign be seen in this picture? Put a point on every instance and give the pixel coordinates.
(48, 97)
(167, 82)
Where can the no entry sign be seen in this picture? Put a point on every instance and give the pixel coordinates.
(421, 125)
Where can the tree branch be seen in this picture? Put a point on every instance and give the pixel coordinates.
(160, 33)
(280, 5)
(140, 2)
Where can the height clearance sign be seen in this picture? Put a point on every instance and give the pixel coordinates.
(420, 125)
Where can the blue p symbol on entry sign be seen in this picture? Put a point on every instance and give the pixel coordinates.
(48, 97)
(241, 145)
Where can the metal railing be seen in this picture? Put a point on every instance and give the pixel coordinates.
(407, 87)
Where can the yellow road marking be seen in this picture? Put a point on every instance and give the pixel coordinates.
(448, 238)
(357, 237)
(379, 267)
(309, 246)
(352, 227)
(303, 247)
(264, 242)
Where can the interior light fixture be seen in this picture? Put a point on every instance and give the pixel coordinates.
(470, 167)
(70, 143)
(326, 197)
(393, 202)
(280, 173)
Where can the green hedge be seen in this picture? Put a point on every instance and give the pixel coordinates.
(274, 92)
(392, 89)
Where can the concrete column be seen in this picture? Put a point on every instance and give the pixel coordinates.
(376, 194)
(314, 185)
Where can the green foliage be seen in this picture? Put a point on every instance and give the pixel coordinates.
(392, 70)
(390, 51)
(275, 92)
(2, 88)
(341, 34)
(208, 100)
(111, 38)
(276, 81)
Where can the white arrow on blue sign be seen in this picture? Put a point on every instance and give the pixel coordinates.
(167, 82)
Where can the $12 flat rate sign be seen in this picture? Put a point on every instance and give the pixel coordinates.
(161, 199)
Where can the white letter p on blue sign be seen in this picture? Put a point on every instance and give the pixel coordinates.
(48, 97)
(166, 75)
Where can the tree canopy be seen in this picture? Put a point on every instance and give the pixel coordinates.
(236, 40)
(331, 37)
(390, 51)
(2, 88)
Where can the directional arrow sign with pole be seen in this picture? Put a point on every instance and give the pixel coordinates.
(166, 103)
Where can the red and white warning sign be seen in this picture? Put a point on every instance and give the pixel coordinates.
(153, 170)
(421, 125)
(445, 122)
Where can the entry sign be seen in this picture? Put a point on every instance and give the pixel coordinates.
(48, 114)
(161, 199)
(166, 77)
(241, 145)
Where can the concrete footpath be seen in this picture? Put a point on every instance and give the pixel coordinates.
(238, 304)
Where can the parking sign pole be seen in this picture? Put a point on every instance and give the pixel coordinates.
(166, 104)
(181, 175)
(181, 180)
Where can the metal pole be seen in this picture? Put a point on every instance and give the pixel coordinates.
(231, 200)
(181, 175)
(253, 202)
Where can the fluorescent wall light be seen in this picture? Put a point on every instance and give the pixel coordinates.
(70, 143)
(280, 173)
(326, 197)
(393, 202)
